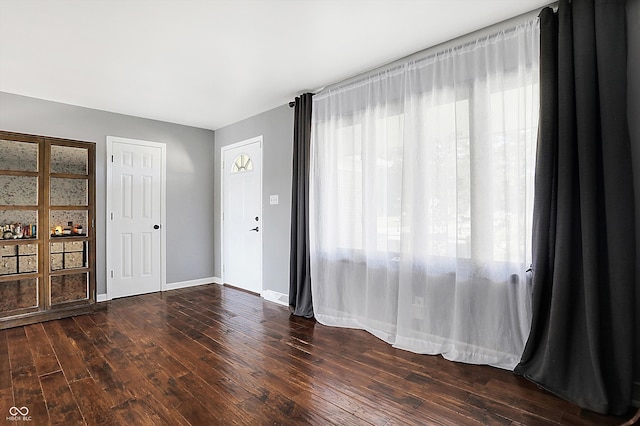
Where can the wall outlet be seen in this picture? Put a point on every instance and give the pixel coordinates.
(273, 199)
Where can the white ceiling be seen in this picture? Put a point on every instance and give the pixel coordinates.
(212, 63)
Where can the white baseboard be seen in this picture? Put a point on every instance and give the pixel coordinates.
(174, 286)
(276, 297)
(191, 283)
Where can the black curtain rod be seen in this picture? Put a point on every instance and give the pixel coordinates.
(293, 103)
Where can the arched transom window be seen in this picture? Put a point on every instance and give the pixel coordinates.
(242, 163)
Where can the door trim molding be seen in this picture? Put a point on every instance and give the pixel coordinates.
(163, 209)
(223, 149)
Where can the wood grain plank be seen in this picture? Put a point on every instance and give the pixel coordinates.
(100, 366)
(311, 402)
(19, 356)
(24, 377)
(5, 366)
(44, 356)
(6, 385)
(66, 350)
(140, 412)
(148, 401)
(92, 403)
(61, 404)
(6, 399)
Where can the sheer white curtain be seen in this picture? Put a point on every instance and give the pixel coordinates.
(422, 196)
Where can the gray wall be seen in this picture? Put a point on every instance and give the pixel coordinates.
(276, 127)
(190, 174)
(633, 102)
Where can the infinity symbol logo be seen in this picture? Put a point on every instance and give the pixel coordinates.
(14, 411)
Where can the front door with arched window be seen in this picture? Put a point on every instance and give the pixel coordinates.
(242, 215)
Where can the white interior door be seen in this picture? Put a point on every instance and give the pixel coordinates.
(136, 218)
(242, 215)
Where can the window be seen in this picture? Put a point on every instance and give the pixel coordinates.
(421, 191)
(242, 163)
(454, 173)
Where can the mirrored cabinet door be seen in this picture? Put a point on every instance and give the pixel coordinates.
(19, 189)
(69, 160)
(20, 192)
(69, 288)
(16, 155)
(69, 222)
(19, 291)
(18, 295)
(69, 192)
(47, 215)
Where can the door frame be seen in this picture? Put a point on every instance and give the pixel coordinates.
(163, 208)
(223, 149)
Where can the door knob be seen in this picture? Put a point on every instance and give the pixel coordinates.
(156, 226)
(254, 229)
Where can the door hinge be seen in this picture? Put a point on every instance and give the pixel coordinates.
(112, 158)
(111, 274)
(111, 215)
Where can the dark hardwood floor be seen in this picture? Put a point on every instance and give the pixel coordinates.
(215, 355)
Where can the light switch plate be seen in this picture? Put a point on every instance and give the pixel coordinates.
(273, 199)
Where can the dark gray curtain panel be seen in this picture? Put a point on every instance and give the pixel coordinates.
(300, 301)
(581, 345)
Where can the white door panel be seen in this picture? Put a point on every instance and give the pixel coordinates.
(242, 216)
(136, 192)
